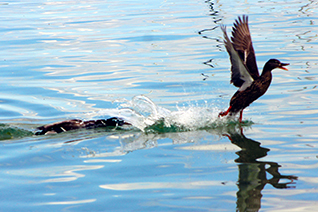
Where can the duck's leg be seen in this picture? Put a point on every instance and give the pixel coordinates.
(225, 112)
(241, 116)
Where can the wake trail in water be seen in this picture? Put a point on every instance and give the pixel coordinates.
(145, 115)
(142, 113)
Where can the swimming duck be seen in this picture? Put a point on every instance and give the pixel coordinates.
(75, 124)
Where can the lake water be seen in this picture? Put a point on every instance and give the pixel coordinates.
(162, 66)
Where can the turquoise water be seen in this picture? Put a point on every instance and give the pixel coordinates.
(162, 66)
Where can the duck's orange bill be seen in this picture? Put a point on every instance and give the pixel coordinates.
(282, 66)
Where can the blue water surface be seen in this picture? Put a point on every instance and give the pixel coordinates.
(162, 66)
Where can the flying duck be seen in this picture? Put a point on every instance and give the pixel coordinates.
(244, 71)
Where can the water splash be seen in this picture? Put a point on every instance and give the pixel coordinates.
(144, 114)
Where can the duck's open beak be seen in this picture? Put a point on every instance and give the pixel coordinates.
(281, 66)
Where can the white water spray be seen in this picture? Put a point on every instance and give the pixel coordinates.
(142, 112)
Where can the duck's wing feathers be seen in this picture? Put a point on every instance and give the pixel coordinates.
(242, 43)
(241, 77)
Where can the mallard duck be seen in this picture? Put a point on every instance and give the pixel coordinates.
(244, 69)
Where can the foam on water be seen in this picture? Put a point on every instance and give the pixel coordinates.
(144, 114)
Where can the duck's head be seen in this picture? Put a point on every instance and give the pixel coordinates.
(274, 63)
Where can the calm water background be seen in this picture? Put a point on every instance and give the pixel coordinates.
(149, 61)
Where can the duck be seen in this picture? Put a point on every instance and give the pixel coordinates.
(244, 71)
(74, 124)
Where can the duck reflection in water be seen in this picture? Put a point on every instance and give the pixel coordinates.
(253, 173)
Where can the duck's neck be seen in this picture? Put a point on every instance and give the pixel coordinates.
(267, 70)
(266, 73)
(266, 79)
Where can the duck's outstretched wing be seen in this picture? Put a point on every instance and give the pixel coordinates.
(242, 43)
(240, 76)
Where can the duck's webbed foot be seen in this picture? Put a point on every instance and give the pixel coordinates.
(225, 112)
